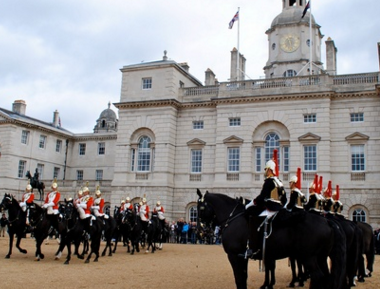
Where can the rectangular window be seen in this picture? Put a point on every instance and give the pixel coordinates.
(21, 169)
(196, 161)
(233, 159)
(40, 169)
(147, 83)
(357, 117)
(133, 155)
(56, 173)
(357, 158)
(102, 148)
(58, 146)
(198, 124)
(143, 164)
(24, 137)
(308, 118)
(286, 159)
(99, 175)
(42, 143)
(258, 159)
(79, 175)
(234, 121)
(82, 149)
(310, 157)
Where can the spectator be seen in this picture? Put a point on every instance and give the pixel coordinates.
(172, 233)
(193, 234)
(216, 233)
(179, 230)
(185, 230)
(3, 223)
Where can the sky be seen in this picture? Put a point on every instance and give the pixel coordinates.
(66, 55)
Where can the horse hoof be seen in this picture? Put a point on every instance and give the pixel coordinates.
(147, 251)
(87, 261)
(7, 256)
(96, 260)
(37, 259)
(23, 251)
(66, 263)
(80, 257)
(110, 255)
(103, 254)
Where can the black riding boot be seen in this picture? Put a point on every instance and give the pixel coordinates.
(254, 242)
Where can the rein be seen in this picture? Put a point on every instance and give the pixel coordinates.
(231, 218)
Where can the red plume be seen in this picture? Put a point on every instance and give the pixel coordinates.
(315, 183)
(320, 184)
(298, 184)
(337, 193)
(275, 159)
(329, 190)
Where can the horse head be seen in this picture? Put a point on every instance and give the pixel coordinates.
(8, 201)
(70, 212)
(205, 211)
(28, 175)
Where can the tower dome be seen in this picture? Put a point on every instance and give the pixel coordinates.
(107, 121)
(291, 16)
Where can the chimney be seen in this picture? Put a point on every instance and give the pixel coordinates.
(56, 118)
(236, 75)
(184, 66)
(210, 77)
(331, 51)
(19, 107)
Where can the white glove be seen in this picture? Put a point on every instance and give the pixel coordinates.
(83, 205)
(95, 207)
(51, 204)
(44, 206)
(143, 212)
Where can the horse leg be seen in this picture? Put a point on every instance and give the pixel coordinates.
(294, 275)
(240, 268)
(11, 238)
(39, 254)
(18, 241)
(301, 275)
(317, 278)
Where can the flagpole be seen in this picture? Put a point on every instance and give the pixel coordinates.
(311, 41)
(238, 39)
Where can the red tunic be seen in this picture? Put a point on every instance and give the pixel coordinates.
(28, 198)
(53, 197)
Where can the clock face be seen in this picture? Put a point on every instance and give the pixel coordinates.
(289, 43)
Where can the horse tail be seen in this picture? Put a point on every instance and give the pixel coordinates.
(338, 256)
(371, 253)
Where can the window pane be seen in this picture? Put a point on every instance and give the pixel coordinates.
(58, 146)
(80, 175)
(40, 169)
(357, 117)
(198, 124)
(196, 161)
(133, 154)
(307, 118)
(233, 159)
(147, 83)
(235, 121)
(286, 159)
(101, 148)
(193, 214)
(310, 158)
(82, 149)
(272, 142)
(357, 158)
(144, 155)
(99, 175)
(56, 173)
(24, 137)
(359, 215)
(42, 143)
(21, 169)
(258, 159)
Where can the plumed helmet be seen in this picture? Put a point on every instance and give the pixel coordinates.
(98, 193)
(144, 200)
(54, 185)
(80, 193)
(270, 165)
(128, 199)
(158, 203)
(122, 201)
(85, 189)
(293, 179)
(29, 187)
(312, 186)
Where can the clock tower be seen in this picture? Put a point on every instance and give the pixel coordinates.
(293, 42)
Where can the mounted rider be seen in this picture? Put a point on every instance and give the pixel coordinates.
(84, 208)
(269, 202)
(328, 204)
(128, 205)
(26, 202)
(338, 206)
(144, 213)
(97, 207)
(315, 203)
(159, 210)
(297, 199)
(51, 205)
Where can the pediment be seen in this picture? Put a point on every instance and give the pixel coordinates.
(357, 136)
(196, 142)
(233, 140)
(309, 137)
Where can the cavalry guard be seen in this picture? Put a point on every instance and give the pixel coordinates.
(270, 201)
(84, 208)
(27, 198)
(128, 205)
(297, 199)
(79, 197)
(51, 204)
(144, 213)
(315, 203)
(121, 209)
(338, 206)
(159, 210)
(97, 207)
(328, 205)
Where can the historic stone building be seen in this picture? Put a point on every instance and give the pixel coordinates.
(174, 134)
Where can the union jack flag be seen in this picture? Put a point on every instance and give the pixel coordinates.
(236, 18)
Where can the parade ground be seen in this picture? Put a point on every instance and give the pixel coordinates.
(177, 266)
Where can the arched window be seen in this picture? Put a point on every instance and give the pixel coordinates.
(359, 215)
(193, 213)
(144, 154)
(272, 142)
(290, 73)
(103, 123)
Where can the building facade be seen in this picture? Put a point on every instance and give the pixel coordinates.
(175, 135)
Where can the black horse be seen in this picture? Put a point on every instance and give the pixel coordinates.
(121, 231)
(368, 249)
(42, 226)
(108, 234)
(36, 184)
(134, 230)
(311, 240)
(16, 223)
(154, 233)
